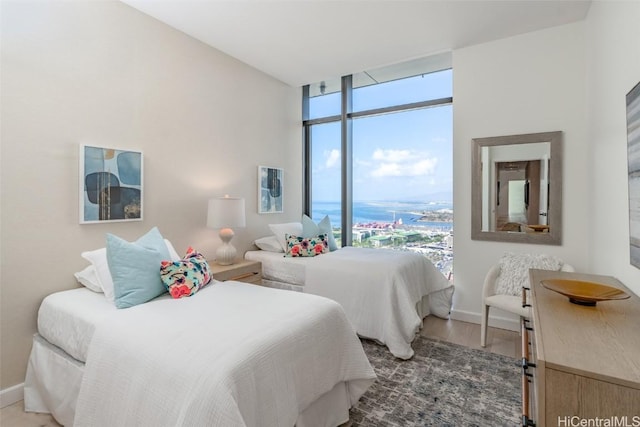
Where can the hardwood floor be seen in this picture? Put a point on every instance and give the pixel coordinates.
(468, 334)
(499, 341)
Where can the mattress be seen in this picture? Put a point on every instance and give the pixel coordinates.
(278, 268)
(68, 319)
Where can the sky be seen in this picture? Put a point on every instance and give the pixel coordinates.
(403, 156)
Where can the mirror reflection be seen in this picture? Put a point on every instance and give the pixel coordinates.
(516, 188)
(519, 175)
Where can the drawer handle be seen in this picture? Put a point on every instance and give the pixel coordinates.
(525, 342)
(526, 421)
(524, 297)
(526, 365)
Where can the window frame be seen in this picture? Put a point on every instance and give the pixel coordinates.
(345, 118)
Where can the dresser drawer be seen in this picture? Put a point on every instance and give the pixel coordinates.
(243, 271)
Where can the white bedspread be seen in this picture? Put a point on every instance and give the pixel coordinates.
(67, 319)
(379, 290)
(233, 354)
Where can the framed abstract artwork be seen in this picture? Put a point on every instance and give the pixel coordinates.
(270, 189)
(110, 185)
(633, 159)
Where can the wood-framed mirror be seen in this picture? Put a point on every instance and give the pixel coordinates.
(516, 188)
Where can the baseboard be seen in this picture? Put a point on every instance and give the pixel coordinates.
(510, 324)
(11, 395)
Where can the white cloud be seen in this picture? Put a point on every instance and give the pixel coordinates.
(391, 155)
(387, 169)
(402, 163)
(332, 158)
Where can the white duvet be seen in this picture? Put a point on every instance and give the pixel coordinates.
(231, 355)
(379, 290)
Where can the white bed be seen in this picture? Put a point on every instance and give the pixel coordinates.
(385, 293)
(233, 354)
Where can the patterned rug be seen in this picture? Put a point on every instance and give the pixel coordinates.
(443, 384)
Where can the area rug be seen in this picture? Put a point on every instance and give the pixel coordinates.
(444, 384)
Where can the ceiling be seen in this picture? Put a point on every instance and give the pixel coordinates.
(306, 41)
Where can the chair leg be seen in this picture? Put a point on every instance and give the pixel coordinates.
(484, 325)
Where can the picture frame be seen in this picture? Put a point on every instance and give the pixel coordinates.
(633, 159)
(111, 185)
(270, 189)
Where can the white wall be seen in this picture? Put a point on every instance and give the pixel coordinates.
(530, 83)
(613, 64)
(103, 73)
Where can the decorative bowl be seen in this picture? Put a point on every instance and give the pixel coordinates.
(584, 293)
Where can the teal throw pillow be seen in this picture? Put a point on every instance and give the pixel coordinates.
(134, 267)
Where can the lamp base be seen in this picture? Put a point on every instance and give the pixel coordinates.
(226, 254)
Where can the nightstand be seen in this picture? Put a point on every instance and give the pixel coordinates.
(242, 271)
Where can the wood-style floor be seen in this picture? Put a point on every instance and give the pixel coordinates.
(468, 334)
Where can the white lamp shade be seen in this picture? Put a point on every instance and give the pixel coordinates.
(226, 212)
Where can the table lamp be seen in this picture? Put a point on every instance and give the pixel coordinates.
(224, 213)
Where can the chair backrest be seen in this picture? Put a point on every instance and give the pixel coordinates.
(514, 270)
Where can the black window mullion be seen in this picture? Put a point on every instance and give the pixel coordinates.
(404, 107)
(306, 153)
(306, 173)
(347, 160)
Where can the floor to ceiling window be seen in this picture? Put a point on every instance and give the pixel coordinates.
(378, 150)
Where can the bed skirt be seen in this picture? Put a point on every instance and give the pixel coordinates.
(437, 303)
(282, 285)
(52, 382)
(53, 379)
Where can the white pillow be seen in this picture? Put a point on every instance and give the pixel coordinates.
(89, 278)
(269, 243)
(280, 231)
(172, 252)
(311, 229)
(98, 259)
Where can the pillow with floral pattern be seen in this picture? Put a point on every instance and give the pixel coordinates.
(298, 246)
(185, 277)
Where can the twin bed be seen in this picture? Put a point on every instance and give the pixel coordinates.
(385, 293)
(234, 354)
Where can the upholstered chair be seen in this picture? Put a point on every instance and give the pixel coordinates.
(503, 284)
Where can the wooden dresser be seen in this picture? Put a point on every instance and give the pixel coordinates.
(580, 362)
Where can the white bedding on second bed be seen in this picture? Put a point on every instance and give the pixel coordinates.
(385, 293)
(277, 267)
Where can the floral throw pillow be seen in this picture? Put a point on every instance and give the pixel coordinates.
(306, 246)
(185, 277)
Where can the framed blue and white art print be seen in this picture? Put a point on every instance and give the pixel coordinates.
(270, 189)
(110, 185)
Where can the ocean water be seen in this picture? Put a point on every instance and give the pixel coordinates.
(368, 212)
